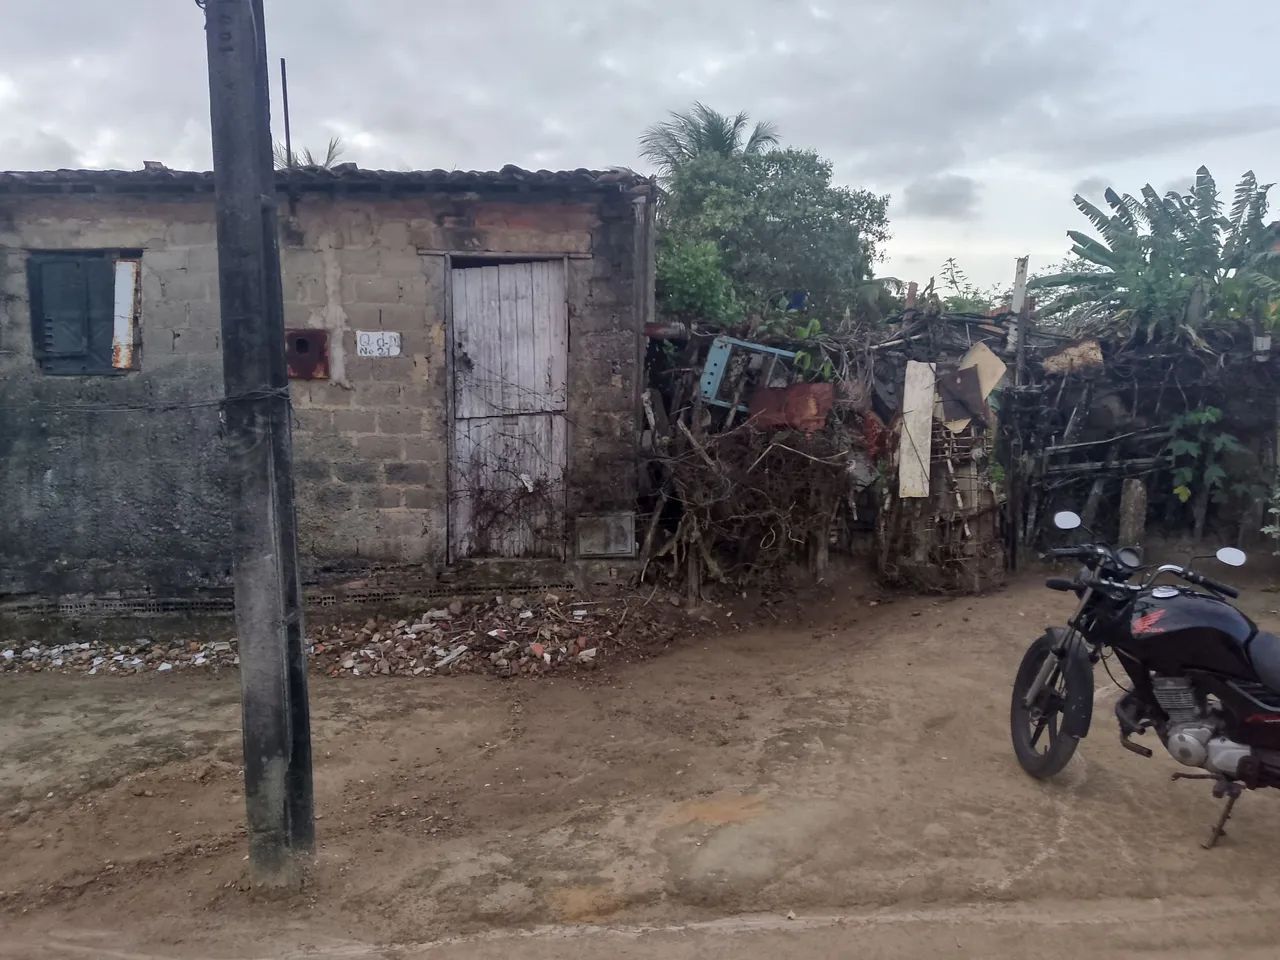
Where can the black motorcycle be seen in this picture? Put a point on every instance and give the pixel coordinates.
(1201, 673)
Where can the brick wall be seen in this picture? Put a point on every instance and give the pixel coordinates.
(99, 501)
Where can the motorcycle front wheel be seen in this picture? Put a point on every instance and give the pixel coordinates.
(1041, 745)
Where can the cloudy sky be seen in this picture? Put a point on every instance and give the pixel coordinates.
(980, 119)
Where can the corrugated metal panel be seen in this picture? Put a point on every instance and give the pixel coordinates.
(508, 492)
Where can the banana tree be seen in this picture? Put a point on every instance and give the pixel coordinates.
(1170, 267)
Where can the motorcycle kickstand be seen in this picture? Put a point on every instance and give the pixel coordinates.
(1221, 788)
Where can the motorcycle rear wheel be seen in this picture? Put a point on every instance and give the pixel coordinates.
(1041, 745)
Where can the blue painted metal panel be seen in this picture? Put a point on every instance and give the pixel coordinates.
(718, 362)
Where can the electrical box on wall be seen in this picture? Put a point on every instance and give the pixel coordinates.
(306, 352)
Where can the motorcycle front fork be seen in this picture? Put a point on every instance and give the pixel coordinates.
(1053, 662)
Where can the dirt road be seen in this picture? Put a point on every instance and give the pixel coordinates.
(850, 767)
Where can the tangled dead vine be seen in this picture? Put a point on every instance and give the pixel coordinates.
(744, 503)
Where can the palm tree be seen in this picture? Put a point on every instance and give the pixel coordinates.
(1169, 267)
(305, 158)
(700, 131)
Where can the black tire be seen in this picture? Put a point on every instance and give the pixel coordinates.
(1040, 743)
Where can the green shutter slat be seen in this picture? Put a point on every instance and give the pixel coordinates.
(64, 309)
(100, 280)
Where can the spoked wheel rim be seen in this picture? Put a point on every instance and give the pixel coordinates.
(1043, 718)
(1044, 738)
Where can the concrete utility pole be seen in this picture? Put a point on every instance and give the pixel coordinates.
(256, 417)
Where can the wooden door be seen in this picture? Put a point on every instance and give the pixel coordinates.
(510, 437)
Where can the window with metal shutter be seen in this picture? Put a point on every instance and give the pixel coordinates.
(72, 312)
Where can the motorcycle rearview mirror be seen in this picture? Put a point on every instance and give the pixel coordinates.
(1231, 556)
(1066, 520)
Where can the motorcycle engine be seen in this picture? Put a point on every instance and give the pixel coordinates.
(1191, 735)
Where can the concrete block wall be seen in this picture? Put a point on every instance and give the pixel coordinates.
(114, 484)
(135, 501)
(371, 444)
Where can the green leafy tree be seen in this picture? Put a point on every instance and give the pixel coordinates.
(794, 247)
(691, 282)
(1170, 267)
(701, 132)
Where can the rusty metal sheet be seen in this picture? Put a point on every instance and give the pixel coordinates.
(991, 370)
(961, 394)
(306, 353)
(803, 406)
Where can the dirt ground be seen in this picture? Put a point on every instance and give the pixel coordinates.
(838, 783)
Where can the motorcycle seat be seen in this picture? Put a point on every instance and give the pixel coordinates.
(1264, 651)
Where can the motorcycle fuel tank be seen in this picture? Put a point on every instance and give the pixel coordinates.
(1174, 631)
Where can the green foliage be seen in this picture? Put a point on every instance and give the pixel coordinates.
(1171, 267)
(1195, 449)
(701, 132)
(781, 229)
(962, 295)
(1272, 529)
(691, 282)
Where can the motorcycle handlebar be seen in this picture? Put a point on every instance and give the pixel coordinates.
(1064, 553)
(1084, 551)
(1213, 585)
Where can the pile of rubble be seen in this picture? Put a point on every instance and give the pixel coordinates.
(135, 656)
(506, 636)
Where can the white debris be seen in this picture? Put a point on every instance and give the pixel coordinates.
(164, 668)
(453, 655)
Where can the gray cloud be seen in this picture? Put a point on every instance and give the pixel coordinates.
(553, 83)
(1028, 98)
(39, 150)
(947, 196)
(1085, 140)
(1091, 188)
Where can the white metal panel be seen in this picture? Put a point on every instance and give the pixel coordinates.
(915, 442)
(124, 329)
